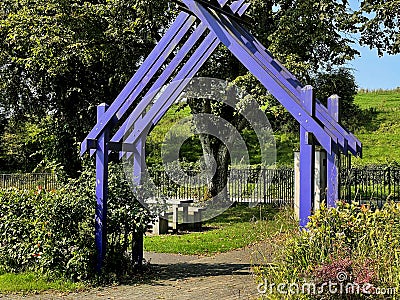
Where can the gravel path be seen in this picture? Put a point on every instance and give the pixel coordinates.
(181, 277)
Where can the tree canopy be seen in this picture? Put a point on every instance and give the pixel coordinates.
(60, 58)
(379, 25)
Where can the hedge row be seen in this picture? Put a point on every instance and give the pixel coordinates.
(53, 231)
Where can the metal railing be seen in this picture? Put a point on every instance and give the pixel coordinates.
(259, 185)
(373, 185)
(29, 181)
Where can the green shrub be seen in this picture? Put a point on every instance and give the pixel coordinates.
(353, 240)
(53, 231)
(46, 231)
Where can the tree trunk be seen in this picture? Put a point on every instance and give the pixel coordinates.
(217, 158)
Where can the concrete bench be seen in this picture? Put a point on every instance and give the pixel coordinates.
(184, 206)
(195, 215)
(160, 225)
(191, 217)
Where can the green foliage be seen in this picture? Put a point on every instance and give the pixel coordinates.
(341, 82)
(30, 145)
(53, 231)
(306, 36)
(379, 22)
(66, 57)
(278, 116)
(350, 238)
(47, 232)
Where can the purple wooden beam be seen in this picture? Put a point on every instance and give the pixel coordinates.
(238, 6)
(228, 36)
(335, 130)
(166, 74)
(150, 66)
(163, 78)
(155, 60)
(139, 160)
(332, 165)
(173, 91)
(307, 162)
(101, 191)
(322, 114)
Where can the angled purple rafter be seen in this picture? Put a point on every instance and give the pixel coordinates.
(147, 70)
(284, 94)
(290, 81)
(321, 112)
(172, 92)
(317, 122)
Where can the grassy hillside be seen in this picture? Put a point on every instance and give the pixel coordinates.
(381, 138)
(191, 149)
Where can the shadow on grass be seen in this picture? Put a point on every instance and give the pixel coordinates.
(241, 213)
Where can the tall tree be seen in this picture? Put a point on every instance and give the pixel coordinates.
(308, 37)
(379, 25)
(65, 57)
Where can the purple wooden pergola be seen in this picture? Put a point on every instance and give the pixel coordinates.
(211, 22)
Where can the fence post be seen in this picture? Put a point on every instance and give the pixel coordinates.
(264, 170)
(320, 179)
(333, 188)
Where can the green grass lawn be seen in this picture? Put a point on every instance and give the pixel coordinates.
(34, 283)
(381, 139)
(236, 228)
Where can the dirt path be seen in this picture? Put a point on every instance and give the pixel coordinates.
(181, 277)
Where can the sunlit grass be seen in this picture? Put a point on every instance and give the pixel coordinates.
(381, 144)
(236, 228)
(34, 283)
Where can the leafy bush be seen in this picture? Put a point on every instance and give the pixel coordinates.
(352, 241)
(53, 231)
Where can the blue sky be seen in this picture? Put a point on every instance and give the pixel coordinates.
(372, 71)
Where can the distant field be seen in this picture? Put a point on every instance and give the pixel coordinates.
(381, 139)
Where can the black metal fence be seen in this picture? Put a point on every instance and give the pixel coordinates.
(255, 185)
(29, 181)
(374, 185)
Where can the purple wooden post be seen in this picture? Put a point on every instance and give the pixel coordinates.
(332, 167)
(307, 161)
(101, 191)
(138, 166)
(139, 162)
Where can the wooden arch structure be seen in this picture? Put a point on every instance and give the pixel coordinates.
(212, 22)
